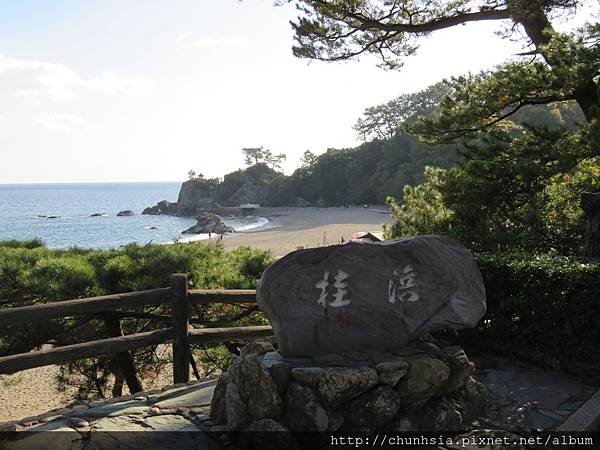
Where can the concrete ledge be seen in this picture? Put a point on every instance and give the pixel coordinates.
(586, 418)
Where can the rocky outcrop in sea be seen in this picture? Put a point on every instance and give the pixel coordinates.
(209, 223)
(199, 194)
(164, 207)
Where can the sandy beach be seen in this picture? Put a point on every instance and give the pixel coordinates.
(34, 391)
(290, 228)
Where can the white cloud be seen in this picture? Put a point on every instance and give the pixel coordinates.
(112, 84)
(38, 79)
(64, 122)
(185, 40)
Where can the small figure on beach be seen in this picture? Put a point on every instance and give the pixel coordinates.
(342, 240)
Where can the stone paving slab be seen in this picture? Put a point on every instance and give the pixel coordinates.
(586, 418)
(114, 409)
(524, 397)
(52, 435)
(198, 395)
(179, 422)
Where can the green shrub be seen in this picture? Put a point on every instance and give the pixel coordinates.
(542, 303)
(31, 274)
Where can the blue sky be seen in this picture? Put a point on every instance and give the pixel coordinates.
(145, 90)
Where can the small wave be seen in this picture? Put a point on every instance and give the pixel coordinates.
(247, 223)
(187, 239)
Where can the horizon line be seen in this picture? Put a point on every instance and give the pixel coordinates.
(86, 182)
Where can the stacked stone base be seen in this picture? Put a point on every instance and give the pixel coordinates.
(425, 386)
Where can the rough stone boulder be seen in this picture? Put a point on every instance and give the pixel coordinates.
(373, 409)
(255, 386)
(360, 296)
(209, 223)
(125, 213)
(164, 207)
(304, 411)
(424, 378)
(336, 385)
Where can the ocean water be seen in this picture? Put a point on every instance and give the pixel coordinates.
(24, 211)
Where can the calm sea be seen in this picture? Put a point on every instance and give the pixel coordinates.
(25, 208)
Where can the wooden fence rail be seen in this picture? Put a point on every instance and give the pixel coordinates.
(83, 306)
(180, 334)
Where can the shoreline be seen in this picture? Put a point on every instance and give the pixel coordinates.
(290, 228)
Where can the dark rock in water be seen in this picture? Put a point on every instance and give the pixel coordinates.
(152, 210)
(97, 215)
(209, 223)
(163, 207)
(360, 296)
(126, 213)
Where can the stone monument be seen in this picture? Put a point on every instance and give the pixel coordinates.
(358, 296)
(354, 352)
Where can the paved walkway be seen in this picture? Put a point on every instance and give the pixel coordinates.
(106, 424)
(522, 398)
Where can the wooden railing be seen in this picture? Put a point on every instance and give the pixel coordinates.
(180, 334)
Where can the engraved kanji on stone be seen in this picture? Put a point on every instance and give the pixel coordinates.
(399, 286)
(323, 284)
(340, 284)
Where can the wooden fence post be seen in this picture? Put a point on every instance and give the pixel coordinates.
(181, 345)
